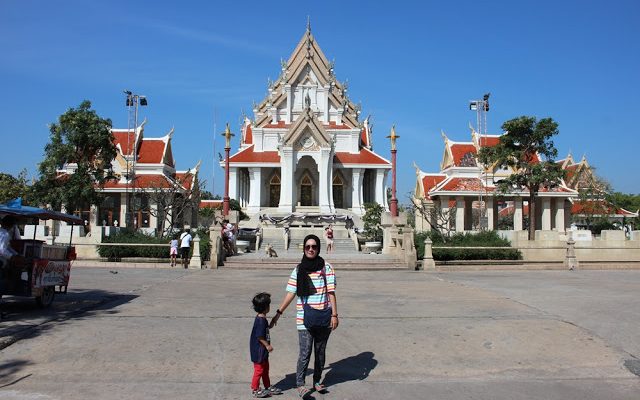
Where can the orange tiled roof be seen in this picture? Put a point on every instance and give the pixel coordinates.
(248, 136)
(488, 141)
(458, 151)
(365, 156)
(125, 138)
(151, 151)
(248, 155)
(210, 204)
(431, 181)
(141, 181)
(464, 185)
(363, 137)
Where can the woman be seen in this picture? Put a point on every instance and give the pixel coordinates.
(328, 235)
(313, 282)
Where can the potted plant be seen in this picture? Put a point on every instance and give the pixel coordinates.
(372, 228)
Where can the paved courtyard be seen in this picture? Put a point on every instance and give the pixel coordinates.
(168, 334)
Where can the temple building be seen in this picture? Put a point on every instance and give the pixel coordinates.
(144, 169)
(305, 150)
(469, 188)
(593, 203)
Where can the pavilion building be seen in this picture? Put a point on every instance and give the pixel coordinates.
(470, 188)
(305, 150)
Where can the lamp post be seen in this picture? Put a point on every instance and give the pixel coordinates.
(394, 201)
(227, 147)
(133, 100)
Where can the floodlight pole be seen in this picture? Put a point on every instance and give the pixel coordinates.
(133, 100)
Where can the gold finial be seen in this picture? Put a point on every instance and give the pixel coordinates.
(393, 137)
(227, 136)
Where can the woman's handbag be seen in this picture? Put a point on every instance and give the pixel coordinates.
(314, 318)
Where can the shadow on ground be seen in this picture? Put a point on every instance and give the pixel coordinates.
(354, 368)
(24, 319)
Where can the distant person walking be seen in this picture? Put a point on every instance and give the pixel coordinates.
(185, 247)
(328, 236)
(173, 250)
(314, 283)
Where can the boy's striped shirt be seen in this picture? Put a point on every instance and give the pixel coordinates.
(319, 300)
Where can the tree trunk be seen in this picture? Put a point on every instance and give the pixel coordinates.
(532, 214)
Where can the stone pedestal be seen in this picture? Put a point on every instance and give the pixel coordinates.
(570, 261)
(427, 260)
(196, 260)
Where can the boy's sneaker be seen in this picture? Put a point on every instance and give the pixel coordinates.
(261, 394)
(273, 390)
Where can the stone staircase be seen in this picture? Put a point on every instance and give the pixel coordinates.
(344, 257)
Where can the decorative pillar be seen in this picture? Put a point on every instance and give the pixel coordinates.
(517, 214)
(286, 180)
(393, 207)
(546, 214)
(255, 186)
(560, 226)
(444, 210)
(356, 190)
(325, 185)
(460, 213)
(225, 200)
(491, 214)
(380, 192)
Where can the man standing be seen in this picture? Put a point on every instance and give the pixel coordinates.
(185, 247)
(10, 260)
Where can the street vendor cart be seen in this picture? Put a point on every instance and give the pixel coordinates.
(44, 269)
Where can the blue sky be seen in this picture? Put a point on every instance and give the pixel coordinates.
(413, 64)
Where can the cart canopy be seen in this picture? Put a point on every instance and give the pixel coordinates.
(15, 207)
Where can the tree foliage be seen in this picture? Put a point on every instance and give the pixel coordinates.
(372, 220)
(80, 137)
(12, 187)
(526, 149)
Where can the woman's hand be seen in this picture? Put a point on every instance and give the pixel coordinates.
(274, 321)
(334, 322)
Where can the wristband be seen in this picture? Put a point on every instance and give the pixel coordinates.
(278, 312)
(334, 316)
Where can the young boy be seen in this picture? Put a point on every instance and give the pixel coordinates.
(260, 347)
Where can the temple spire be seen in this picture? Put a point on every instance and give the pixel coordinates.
(308, 24)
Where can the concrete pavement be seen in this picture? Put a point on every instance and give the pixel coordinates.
(166, 334)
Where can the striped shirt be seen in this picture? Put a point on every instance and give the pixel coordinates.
(319, 300)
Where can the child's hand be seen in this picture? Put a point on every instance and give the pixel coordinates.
(269, 348)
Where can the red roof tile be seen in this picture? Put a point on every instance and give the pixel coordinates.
(431, 181)
(210, 203)
(333, 125)
(151, 151)
(365, 156)
(125, 138)
(489, 141)
(141, 181)
(364, 138)
(248, 135)
(248, 155)
(460, 149)
(464, 185)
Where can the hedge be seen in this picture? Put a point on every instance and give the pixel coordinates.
(462, 240)
(125, 236)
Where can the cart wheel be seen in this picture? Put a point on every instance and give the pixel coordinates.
(48, 293)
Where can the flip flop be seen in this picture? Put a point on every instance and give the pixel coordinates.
(303, 392)
(319, 387)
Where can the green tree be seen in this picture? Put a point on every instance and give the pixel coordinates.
(12, 187)
(82, 138)
(527, 149)
(372, 220)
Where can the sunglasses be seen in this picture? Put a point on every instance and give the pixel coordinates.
(311, 246)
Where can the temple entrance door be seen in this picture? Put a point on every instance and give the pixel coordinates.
(338, 192)
(306, 191)
(274, 191)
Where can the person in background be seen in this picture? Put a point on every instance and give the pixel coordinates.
(173, 251)
(185, 247)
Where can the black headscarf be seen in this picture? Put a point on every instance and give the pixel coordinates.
(307, 265)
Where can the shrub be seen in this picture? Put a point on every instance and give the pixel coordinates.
(127, 236)
(462, 240)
